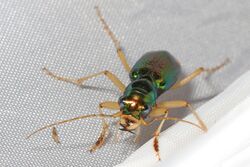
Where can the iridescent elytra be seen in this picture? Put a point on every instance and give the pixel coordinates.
(154, 73)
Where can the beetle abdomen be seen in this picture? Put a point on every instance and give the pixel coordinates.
(158, 66)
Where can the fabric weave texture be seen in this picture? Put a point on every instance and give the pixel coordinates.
(66, 37)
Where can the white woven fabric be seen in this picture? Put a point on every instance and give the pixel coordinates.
(66, 37)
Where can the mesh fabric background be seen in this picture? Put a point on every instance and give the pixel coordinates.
(66, 37)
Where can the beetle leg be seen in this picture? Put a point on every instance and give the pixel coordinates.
(156, 136)
(104, 133)
(99, 143)
(162, 109)
(107, 29)
(101, 139)
(54, 135)
(117, 133)
(115, 115)
(178, 120)
(198, 72)
(109, 105)
(157, 111)
(80, 81)
(181, 104)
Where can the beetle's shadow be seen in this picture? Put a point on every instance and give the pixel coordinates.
(101, 89)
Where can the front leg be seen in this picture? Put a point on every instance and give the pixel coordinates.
(156, 136)
(184, 104)
(105, 127)
(161, 113)
(101, 139)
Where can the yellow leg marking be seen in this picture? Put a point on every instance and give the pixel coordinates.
(106, 28)
(180, 104)
(198, 72)
(80, 81)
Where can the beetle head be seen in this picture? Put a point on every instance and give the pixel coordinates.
(133, 109)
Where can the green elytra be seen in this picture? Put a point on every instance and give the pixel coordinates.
(153, 74)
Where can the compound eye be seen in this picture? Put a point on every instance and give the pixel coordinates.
(135, 75)
(146, 111)
(122, 106)
(162, 84)
(121, 99)
(121, 102)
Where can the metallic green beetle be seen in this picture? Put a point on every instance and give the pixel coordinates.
(153, 74)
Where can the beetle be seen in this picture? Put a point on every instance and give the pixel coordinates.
(153, 74)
